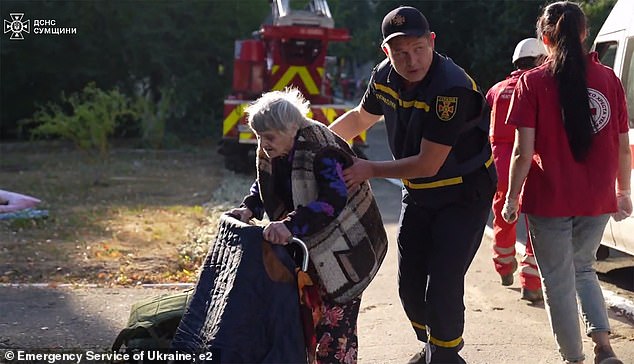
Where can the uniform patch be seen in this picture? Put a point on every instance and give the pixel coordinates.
(599, 108)
(446, 107)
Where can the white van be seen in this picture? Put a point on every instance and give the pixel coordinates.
(615, 45)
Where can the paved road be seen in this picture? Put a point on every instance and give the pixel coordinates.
(500, 327)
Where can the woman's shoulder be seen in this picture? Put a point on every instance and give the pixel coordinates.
(382, 69)
(537, 74)
(601, 69)
(609, 73)
(600, 74)
(314, 130)
(317, 137)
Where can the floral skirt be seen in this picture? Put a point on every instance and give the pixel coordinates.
(337, 332)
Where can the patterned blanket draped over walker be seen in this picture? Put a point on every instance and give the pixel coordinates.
(245, 308)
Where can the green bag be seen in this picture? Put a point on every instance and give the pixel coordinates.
(153, 322)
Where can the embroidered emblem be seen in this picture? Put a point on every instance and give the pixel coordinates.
(599, 108)
(398, 20)
(446, 107)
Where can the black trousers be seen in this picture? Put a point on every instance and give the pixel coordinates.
(436, 246)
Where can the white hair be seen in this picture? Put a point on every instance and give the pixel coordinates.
(278, 110)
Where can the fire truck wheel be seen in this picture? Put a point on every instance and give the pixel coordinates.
(240, 158)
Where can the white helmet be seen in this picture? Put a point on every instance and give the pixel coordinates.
(529, 47)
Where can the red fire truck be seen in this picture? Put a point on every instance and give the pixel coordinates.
(291, 51)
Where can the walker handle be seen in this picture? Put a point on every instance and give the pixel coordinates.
(304, 251)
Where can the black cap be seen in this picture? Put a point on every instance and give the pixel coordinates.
(404, 20)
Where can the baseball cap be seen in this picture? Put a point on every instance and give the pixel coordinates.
(404, 20)
(529, 47)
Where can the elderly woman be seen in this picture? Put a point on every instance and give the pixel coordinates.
(300, 187)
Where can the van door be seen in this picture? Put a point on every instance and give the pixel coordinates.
(623, 231)
(627, 78)
(617, 53)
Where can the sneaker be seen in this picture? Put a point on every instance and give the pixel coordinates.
(421, 357)
(532, 295)
(440, 355)
(507, 279)
(418, 358)
(603, 356)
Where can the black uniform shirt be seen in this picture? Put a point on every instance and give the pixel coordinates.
(405, 133)
(446, 107)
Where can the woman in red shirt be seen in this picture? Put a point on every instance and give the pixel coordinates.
(571, 147)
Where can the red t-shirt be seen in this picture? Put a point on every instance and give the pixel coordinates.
(499, 98)
(556, 184)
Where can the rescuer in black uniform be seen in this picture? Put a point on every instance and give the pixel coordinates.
(437, 123)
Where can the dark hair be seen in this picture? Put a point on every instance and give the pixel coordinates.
(525, 63)
(564, 23)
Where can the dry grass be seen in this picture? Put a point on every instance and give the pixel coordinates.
(151, 220)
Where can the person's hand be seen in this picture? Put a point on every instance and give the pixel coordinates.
(510, 209)
(624, 205)
(242, 213)
(359, 171)
(277, 233)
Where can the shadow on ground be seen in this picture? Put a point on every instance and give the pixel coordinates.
(69, 318)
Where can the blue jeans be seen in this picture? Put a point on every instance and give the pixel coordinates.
(565, 249)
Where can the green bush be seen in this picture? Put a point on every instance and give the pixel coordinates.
(87, 118)
(153, 117)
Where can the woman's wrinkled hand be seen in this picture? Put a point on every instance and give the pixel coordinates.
(359, 171)
(277, 233)
(624, 205)
(510, 209)
(242, 213)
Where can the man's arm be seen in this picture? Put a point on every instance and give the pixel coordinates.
(425, 164)
(353, 122)
(437, 140)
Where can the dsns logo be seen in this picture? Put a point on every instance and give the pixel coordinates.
(16, 26)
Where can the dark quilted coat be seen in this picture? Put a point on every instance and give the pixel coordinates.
(245, 308)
